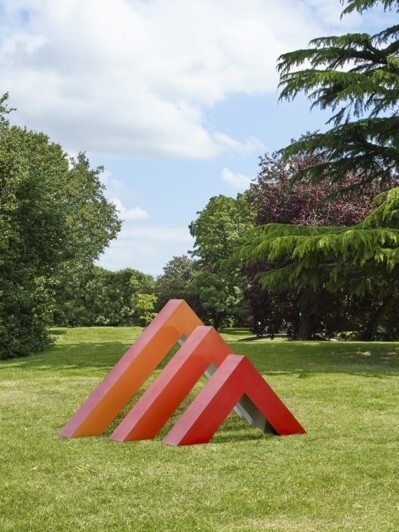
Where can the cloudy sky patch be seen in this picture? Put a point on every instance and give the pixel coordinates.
(138, 77)
(238, 181)
(176, 98)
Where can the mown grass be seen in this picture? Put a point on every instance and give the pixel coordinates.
(341, 475)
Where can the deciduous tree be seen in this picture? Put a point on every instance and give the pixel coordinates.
(176, 282)
(104, 297)
(54, 222)
(218, 283)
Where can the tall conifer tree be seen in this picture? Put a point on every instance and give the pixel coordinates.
(356, 76)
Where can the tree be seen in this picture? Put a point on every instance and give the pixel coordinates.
(362, 260)
(54, 222)
(306, 309)
(217, 231)
(144, 305)
(144, 298)
(105, 297)
(362, 5)
(276, 198)
(176, 283)
(356, 76)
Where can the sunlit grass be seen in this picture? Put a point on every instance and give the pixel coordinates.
(341, 475)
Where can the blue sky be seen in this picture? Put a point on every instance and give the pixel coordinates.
(177, 99)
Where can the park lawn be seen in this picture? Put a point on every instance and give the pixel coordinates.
(342, 475)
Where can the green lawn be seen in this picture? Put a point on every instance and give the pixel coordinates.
(342, 475)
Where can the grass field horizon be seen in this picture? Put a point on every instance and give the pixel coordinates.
(341, 475)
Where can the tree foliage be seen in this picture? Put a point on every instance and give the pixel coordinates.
(361, 260)
(356, 76)
(362, 5)
(144, 306)
(104, 297)
(176, 282)
(307, 309)
(218, 230)
(54, 222)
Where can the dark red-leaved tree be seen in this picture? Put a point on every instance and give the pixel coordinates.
(278, 199)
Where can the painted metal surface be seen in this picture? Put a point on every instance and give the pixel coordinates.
(235, 377)
(175, 320)
(233, 383)
(203, 348)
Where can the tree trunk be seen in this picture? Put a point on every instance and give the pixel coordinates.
(307, 319)
(370, 330)
(216, 321)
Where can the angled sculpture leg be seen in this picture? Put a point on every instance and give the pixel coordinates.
(235, 377)
(203, 348)
(109, 398)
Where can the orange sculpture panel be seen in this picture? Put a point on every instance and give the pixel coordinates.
(175, 320)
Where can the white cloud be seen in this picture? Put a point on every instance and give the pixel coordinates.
(147, 249)
(135, 77)
(251, 145)
(106, 177)
(136, 213)
(158, 233)
(236, 180)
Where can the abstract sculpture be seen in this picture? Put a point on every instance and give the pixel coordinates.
(233, 383)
